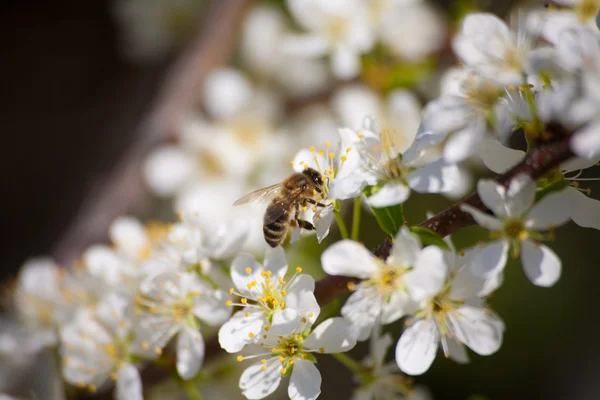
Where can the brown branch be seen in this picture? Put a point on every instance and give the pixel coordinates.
(122, 191)
(536, 164)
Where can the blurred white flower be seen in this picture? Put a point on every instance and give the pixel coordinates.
(452, 312)
(168, 305)
(95, 348)
(411, 29)
(516, 225)
(340, 28)
(263, 294)
(288, 346)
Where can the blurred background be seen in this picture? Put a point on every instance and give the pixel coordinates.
(86, 84)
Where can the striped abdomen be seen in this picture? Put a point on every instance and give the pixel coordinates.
(276, 231)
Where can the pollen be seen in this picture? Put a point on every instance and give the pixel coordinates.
(92, 388)
(281, 358)
(240, 358)
(228, 303)
(351, 286)
(321, 350)
(331, 155)
(248, 270)
(283, 293)
(310, 315)
(304, 320)
(264, 367)
(348, 149)
(114, 376)
(158, 350)
(145, 345)
(267, 327)
(281, 281)
(312, 149)
(250, 335)
(231, 290)
(343, 158)
(282, 370)
(264, 360)
(244, 300)
(327, 144)
(298, 269)
(321, 152)
(247, 314)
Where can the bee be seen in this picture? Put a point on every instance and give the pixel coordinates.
(285, 198)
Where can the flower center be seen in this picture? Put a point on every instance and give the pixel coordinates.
(515, 230)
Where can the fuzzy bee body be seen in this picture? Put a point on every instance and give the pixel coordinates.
(287, 197)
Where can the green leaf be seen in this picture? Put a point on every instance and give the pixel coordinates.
(390, 219)
(429, 237)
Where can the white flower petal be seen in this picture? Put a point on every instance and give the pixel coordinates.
(398, 305)
(428, 275)
(405, 249)
(389, 194)
(113, 310)
(284, 322)
(190, 352)
(240, 277)
(347, 187)
(586, 142)
(234, 334)
(484, 220)
(332, 335)
(497, 157)
(345, 63)
(491, 259)
(227, 240)
(493, 196)
(210, 306)
(541, 265)
(257, 383)
(417, 347)
(226, 92)
(552, 211)
(129, 236)
(167, 169)
(349, 258)
(519, 195)
(129, 383)
(585, 211)
(300, 297)
(322, 222)
(437, 177)
(463, 143)
(361, 311)
(478, 328)
(454, 350)
(305, 382)
(307, 45)
(275, 261)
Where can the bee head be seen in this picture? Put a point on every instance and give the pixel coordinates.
(314, 176)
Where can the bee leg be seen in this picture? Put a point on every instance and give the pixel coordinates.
(311, 201)
(300, 222)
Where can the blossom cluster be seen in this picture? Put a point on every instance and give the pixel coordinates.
(164, 292)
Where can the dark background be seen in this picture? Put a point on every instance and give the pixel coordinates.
(69, 108)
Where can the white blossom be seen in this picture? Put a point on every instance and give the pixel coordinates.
(340, 28)
(516, 225)
(265, 293)
(289, 346)
(168, 305)
(95, 348)
(452, 312)
(382, 295)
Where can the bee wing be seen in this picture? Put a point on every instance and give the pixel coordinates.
(263, 195)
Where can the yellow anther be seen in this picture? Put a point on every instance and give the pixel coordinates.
(249, 286)
(114, 376)
(230, 290)
(310, 315)
(298, 337)
(462, 253)
(291, 362)
(264, 367)
(298, 269)
(228, 303)
(282, 305)
(244, 300)
(158, 350)
(312, 149)
(92, 388)
(145, 345)
(304, 208)
(250, 335)
(270, 286)
(240, 358)
(281, 358)
(348, 149)
(321, 350)
(267, 280)
(304, 320)
(321, 152)
(247, 314)
(275, 302)
(588, 191)
(264, 360)
(343, 158)
(283, 293)
(292, 163)
(303, 356)
(267, 327)
(248, 270)
(282, 370)
(351, 286)
(327, 144)
(575, 184)
(331, 155)
(269, 273)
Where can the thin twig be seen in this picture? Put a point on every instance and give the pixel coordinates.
(536, 164)
(122, 191)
